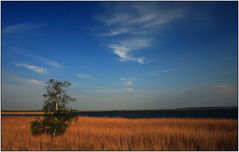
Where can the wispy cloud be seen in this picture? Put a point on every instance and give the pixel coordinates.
(221, 88)
(34, 68)
(27, 81)
(13, 30)
(129, 83)
(82, 67)
(123, 90)
(44, 60)
(115, 32)
(123, 49)
(84, 76)
(168, 70)
(47, 61)
(127, 87)
(104, 90)
(32, 81)
(133, 26)
(138, 18)
(150, 73)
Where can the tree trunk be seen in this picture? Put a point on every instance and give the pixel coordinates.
(56, 106)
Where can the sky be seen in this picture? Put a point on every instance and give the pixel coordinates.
(120, 55)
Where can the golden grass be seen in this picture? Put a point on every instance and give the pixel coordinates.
(90, 133)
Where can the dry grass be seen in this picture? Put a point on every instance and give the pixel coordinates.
(90, 133)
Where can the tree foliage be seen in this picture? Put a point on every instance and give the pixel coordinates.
(57, 117)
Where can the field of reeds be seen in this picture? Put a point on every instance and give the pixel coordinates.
(91, 133)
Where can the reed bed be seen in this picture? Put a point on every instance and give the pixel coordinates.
(91, 133)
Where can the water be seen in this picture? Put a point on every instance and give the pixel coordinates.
(176, 113)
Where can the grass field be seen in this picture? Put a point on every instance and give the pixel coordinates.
(90, 133)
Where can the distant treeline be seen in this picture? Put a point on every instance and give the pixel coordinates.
(195, 108)
(201, 112)
(183, 108)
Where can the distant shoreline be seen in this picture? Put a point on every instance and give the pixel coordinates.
(231, 113)
(183, 108)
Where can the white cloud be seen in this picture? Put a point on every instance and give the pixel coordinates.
(43, 60)
(34, 68)
(129, 89)
(168, 70)
(150, 73)
(47, 61)
(222, 89)
(82, 67)
(124, 90)
(32, 81)
(84, 76)
(129, 83)
(138, 18)
(132, 26)
(51, 63)
(227, 88)
(27, 81)
(20, 29)
(106, 90)
(115, 32)
(123, 49)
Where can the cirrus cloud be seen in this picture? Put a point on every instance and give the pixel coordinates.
(26, 81)
(20, 29)
(34, 68)
(84, 76)
(133, 27)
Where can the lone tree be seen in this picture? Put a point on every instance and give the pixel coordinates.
(57, 117)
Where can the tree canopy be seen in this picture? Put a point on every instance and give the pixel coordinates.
(57, 116)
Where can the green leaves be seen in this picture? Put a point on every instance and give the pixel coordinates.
(57, 118)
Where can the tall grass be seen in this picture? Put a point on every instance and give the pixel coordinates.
(90, 133)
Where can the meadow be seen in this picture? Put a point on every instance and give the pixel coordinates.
(92, 133)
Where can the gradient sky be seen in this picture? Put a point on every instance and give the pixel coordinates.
(120, 55)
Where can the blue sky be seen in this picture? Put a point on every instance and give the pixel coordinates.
(120, 55)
